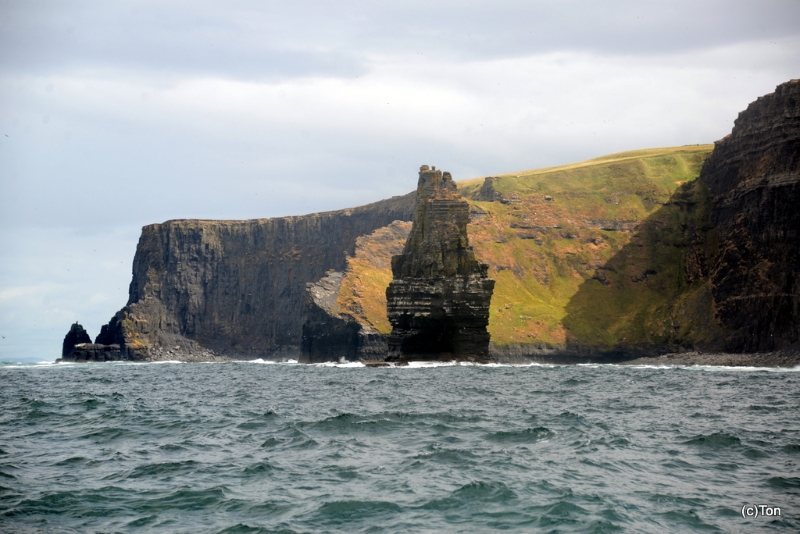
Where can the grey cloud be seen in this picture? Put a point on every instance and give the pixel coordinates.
(507, 29)
(289, 39)
(178, 38)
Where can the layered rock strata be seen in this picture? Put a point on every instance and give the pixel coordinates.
(438, 302)
(205, 290)
(753, 176)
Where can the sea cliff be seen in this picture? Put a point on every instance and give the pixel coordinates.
(234, 289)
(634, 254)
(753, 177)
(644, 253)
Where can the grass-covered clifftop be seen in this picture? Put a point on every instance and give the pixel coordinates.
(609, 252)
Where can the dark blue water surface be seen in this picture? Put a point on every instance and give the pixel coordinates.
(253, 447)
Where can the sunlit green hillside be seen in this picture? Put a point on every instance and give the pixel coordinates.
(601, 253)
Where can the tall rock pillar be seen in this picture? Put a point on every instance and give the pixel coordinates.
(438, 302)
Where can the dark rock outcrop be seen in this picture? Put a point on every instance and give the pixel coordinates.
(76, 336)
(205, 290)
(78, 347)
(93, 352)
(438, 301)
(753, 176)
(487, 192)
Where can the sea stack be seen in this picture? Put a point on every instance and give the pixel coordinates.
(438, 302)
(77, 335)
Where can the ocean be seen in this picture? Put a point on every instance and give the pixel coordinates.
(261, 447)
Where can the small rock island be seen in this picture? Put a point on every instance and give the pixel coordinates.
(438, 302)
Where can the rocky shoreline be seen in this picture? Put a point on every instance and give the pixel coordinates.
(521, 355)
(779, 359)
(785, 359)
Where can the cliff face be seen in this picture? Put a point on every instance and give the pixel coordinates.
(619, 256)
(753, 176)
(205, 289)
(438, 301)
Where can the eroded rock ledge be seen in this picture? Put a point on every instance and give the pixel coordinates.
(438, 302)
(330, 334)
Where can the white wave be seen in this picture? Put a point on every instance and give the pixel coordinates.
(270, 362)
(745, 369)
(661, 367)
(417, 365)
(432, 365)
(531, 364)
(339, 364)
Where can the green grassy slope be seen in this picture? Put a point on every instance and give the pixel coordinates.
(605, 253)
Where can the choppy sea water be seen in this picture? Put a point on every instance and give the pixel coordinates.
(254, 447)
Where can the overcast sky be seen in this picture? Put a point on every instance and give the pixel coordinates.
(114, 115)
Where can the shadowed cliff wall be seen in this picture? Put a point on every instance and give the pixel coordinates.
(337, 322)
(721, 258)
(753, 176)
(653, 295)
